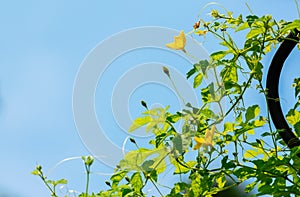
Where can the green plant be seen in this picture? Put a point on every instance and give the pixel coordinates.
(213, 146)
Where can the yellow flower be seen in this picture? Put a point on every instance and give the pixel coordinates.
(201, 32)
(199, 141)
(207, 141)
(179, 42)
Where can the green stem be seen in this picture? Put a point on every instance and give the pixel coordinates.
(272, 174)
(236, 153)
(297, 5)
(146, 174)
(176, 90)
(87, 180)
(223, 39)
(269, 121)
(47, 185)
(240, 97)
(156, 187)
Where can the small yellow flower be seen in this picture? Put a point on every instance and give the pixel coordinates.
(199, 141)
(179, 42)
(207, 141)
(201, 32)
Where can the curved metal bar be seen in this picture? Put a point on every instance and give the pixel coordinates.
(272, 88)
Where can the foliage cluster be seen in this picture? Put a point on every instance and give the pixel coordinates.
(212, 147)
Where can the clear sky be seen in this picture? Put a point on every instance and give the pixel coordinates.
(43, 44)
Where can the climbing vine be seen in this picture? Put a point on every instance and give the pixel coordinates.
(214, 150)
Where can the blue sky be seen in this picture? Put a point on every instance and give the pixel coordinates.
(43, 44)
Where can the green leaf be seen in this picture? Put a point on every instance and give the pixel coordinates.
(209, 114)
(179, 189)
(265, 134)
(293, 117)
(250, 186)
(191, 72)
(61, 182)
(297, 128)
(218, 55)
(252, 112)
(239, 119)
(228, 126)
(291, 26)
(137, 182)
(203, 64)
(133, 160)
(254, 32)
(229, 75)
(260, 122)
(251, 153)
(296, 85)
(153, 175)
(159, 139)
(139, 122)
(227, 165)
(174, 117)
(147, 165)
(35, 172)
(180, 168)
(198, 80)
(251, 19)
(181, 142)
(208, 93)
(221, 181)
(177, 143)
(245, 25)
(117, 177)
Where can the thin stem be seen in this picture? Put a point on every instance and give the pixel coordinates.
(176, 90)
(250, 10)
(87, 180)
(269, 120)
(216, 76)
(223, 39)
(240, 97)
(211, 3)
(272, 174)
(236, 152)
(146, 174)
(156, 187)
(47, 185)
(298, 10)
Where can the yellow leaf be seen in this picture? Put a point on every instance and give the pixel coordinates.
(254, 153)
(251, 132)
(221, 181)
(139, 122)
(179, 42)
(294, 117)
(268, 48)
(250, 154)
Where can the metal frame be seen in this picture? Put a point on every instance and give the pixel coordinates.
(273, 100)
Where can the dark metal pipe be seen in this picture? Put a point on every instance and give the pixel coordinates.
(272, 89)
